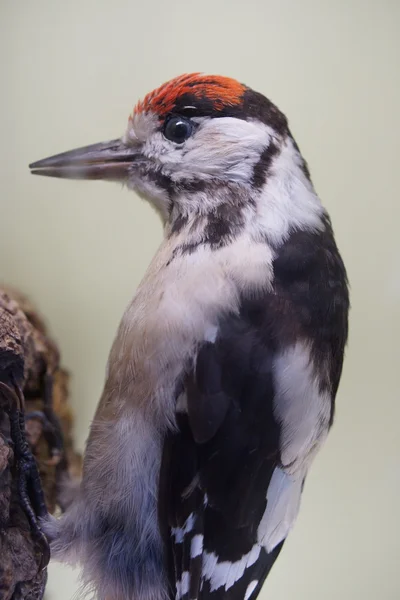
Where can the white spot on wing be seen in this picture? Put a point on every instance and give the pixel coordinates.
(225, 147)
(283, 502)
(300, 407)
(196, 546)
(179, 532)
(250, 589)
(303, 412)
(182, 586)
(226, 573)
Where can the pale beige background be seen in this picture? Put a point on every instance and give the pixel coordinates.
(70, 74)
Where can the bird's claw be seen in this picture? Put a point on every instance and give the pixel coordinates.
(28, 479)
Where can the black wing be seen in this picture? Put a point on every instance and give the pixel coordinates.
(227, 499)
(220, 465)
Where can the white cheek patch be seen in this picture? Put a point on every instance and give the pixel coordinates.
(163, 151)
(221, 147)
(224, 147)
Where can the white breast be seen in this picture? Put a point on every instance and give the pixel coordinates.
(177, 306)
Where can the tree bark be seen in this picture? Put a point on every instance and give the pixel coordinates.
(35, 439)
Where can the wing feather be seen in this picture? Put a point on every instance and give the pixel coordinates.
(258, 404)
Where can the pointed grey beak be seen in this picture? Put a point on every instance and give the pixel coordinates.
(106, 160)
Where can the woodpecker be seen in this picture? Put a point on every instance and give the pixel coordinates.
(221, 381)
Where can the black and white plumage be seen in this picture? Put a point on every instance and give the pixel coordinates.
(222, 378)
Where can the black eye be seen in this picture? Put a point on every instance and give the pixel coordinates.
(178, 129)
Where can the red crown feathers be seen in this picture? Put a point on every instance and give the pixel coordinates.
(220, 91)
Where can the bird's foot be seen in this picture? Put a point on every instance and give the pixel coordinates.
(29, 486)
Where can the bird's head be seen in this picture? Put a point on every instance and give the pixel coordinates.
(191, 146)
